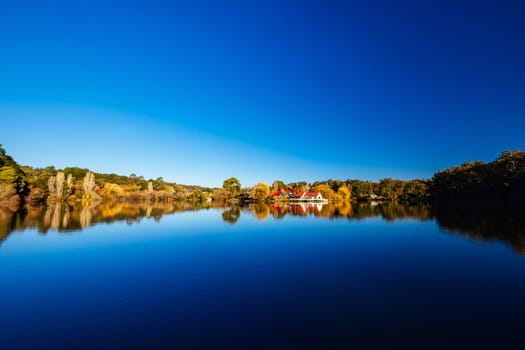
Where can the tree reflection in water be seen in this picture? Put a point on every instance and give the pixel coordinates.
(64, 218)
(479, 226)
(485, 226)
(231, 215)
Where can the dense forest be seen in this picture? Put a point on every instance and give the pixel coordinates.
(500, 184)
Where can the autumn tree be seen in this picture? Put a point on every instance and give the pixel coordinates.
(159, 184)
(326, 191)
(113, 190)
(344, 193)
(260, 191)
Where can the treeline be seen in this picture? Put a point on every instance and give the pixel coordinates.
(500, 183)
(411, 191)
(335, 191)
(19, 184)
(34, 186)
(497, 184)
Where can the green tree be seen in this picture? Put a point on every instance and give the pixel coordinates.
(232, 185)
(414, 191)
(300, 186)
(390, 189)
(360, 189)
(279, 185)
(11, 173)
(497, 184)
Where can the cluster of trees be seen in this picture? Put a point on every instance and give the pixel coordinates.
(497, 184)
(12, 181)
(500, 183)
(19, 184)
(77, 184)
(413, 191)
(385, 189)
(260, 191)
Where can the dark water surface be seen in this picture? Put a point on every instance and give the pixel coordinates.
(167, 277)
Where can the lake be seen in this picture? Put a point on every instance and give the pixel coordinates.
(176, 276)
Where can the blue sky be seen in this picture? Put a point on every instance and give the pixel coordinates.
(198, 91)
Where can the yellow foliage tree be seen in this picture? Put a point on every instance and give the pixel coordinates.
(260, 191)
(326, 191)
(344, 193)
(111, 189)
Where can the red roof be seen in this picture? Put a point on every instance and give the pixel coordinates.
(311, 194)
(306, 194)
(296, 194)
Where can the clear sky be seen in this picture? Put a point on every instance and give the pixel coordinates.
(198, 91)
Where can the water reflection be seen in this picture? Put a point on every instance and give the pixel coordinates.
(231, 215)
(64, 218)
(485, 226)
(388, 211)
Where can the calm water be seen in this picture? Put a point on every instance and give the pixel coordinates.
(176, 277)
